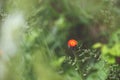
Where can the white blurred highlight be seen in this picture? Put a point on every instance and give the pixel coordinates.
(11, 23)
(8, 45)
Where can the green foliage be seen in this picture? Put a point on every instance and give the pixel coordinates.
(110, 51)
(97, 45)
(102, 72)
(44, 54)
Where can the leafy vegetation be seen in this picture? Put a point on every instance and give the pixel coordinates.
(41, 33)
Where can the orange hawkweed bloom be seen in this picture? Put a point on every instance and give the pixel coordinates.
(72, 43)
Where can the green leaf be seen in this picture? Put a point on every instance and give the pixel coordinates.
(57, 63)
(105, 50)
(97, 45)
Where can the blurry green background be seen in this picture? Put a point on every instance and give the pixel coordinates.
(43, 52)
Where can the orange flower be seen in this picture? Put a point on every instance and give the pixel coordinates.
(72, 43)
